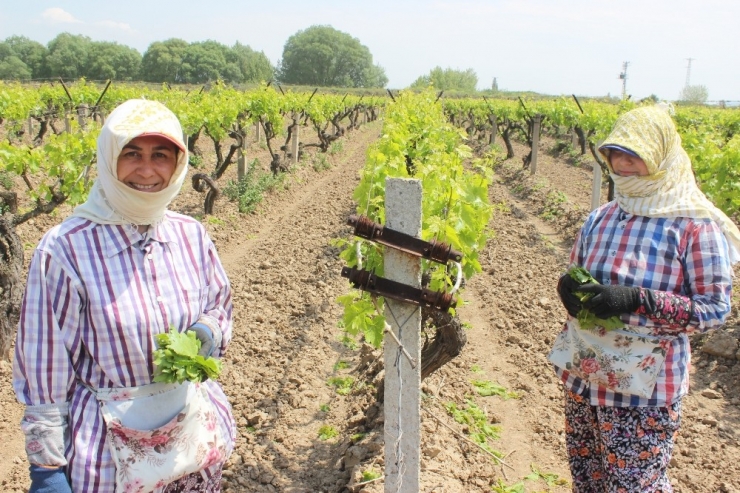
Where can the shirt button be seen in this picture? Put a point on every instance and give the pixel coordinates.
(607, 281)
(150, 256)
(614, 253)
(159, 299)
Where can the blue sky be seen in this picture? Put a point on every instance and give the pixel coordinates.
(548, 46)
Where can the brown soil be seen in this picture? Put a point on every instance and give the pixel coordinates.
(287, 343)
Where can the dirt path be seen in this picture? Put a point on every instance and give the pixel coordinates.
(288, 345)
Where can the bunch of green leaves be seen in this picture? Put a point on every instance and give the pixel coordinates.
(177, 359)
(586, 319)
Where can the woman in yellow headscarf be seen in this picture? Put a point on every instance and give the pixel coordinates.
(661, 254)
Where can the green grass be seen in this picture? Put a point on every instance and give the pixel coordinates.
(327, 432)
(487, 388)
(343, 385)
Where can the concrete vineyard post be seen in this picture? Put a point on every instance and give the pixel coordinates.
(536, 122)
(596, 187)
(30, 126)
(241, 162)
(67, 123)
(82, 115)
(257, 131)
(295, 140)
(402, 381)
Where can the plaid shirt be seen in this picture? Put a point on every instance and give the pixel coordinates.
(95, 298)
(682, 256)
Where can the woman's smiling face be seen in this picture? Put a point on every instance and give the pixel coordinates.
(625, 164)
(147, 163)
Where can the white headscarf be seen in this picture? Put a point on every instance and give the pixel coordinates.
(110, 200)
(669, 189)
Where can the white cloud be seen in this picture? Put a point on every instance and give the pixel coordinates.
(122, 26)
(55, 15)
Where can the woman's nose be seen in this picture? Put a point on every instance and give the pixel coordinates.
(146, 167)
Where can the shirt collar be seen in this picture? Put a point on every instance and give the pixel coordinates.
(117, 237)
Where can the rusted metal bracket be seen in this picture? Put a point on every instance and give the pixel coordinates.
(434, 250)
(367, 281)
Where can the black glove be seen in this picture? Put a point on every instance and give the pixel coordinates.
(610, 301)
(571, 302)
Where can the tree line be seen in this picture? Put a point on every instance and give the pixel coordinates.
(319, 56)
(73, 56)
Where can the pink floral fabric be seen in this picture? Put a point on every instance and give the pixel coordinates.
(670, 311)
(625, 360)
(150, 459)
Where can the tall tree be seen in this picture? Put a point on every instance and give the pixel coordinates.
(206, 61)
(694, 94)
(67, 56)
(448, 80)
(31, 53)
(162, 61)
(254, 66)
(324, 56)
(12, 67)
(108, 60)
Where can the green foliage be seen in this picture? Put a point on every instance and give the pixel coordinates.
(501, 487)
(586, 319)
(357, 437)
(476, 420)
(455, 207)
(341, 365)
(324, 408)
(320, 163)
(694, 94)
(343, 385)
(177, 360)
(448, 80)
(336, 147)
(487, 388)
(370, 475)
(327, 432)
(250, 190)
(551, 479)
(324, 56)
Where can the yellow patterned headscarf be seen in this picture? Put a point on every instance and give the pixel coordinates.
(670, 189)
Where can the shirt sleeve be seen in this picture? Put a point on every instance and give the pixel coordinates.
(48, 333)
(219, 307)
(707, 282)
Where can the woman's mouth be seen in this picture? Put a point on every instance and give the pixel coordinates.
(142, 188)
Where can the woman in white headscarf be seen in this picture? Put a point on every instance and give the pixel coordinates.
(661, 253)
(101, 285)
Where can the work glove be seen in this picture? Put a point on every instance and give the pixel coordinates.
(566, 286)
(205, 335)
(48, 480)
(610, 301)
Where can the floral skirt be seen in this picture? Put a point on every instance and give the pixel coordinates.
(619, 449)
(198, 482)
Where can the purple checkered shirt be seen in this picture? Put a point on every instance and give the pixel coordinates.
(95, 298)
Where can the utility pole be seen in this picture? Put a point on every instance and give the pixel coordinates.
(623, 76)
(688, 73)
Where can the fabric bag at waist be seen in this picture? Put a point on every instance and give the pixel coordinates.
(145, 407)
